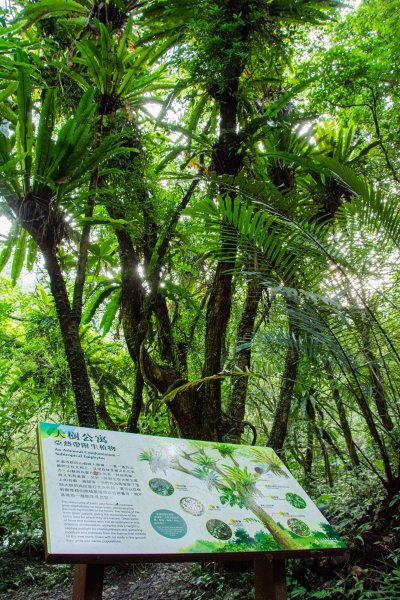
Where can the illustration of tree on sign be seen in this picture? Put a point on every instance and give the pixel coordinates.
(236, 485)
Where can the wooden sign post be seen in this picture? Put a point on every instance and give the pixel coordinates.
(112, 497)
(88, 582)
(270, 579)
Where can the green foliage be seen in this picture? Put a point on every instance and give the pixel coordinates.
(21, 526)
(360, 519)
(19, 256)
(21, 534)
(213, 581)
(314, 114)
(226, 34)
(35, 379)
(110, 312)
(155, 425)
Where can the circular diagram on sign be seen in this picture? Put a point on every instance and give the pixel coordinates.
(162, 487)
(192, 506)
(299, 527)
(168, 524)
(219, 529)
(295, 500)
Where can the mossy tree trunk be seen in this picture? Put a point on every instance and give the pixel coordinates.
(281, 418)
(238, 394)
(69, 326)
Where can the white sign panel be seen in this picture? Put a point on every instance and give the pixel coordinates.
(109, 493)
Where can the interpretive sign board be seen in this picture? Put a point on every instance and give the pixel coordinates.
(107, 493)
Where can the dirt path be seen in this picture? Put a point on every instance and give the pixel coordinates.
(154, 583)
(148, 582)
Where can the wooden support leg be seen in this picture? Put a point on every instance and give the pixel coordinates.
(270, 579)
(88, 582)
(279, 572)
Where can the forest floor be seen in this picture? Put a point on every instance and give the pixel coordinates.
(144, 582)
(130, 582)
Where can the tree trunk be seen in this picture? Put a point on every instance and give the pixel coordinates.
(69, 325)
(132, 293)
(137, 401)
(226, 161)
(377, 385)
(282, 413)
(308, 463)
(101, 407)
(325, 455)
(344, 424)
(132, 308)
(312, 420)
(369, 419)
(186, 410)
(237, 402)
(217, 318)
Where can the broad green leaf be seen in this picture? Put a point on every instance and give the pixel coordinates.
(8, 114)
(19, 256)
(31, 255)
(9, 245)
(111, 312)
(8, 91)
(25, 128)
(96, 301)
(49, 8)
(43, 295)
(43, 147)
(170, 157)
